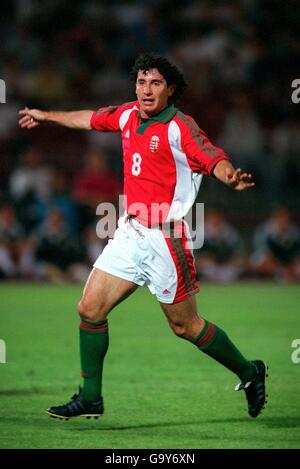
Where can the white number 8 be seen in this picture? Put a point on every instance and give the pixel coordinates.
(136, 164)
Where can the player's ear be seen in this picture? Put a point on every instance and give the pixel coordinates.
(171, 89)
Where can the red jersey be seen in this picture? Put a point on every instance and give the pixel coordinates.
(164, 160)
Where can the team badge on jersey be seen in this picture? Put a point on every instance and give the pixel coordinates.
(154, 143)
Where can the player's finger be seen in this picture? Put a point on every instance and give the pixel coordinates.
(28, 122)
(33, 124)
(26, 117)
(246, 177)
(25, 121)
(246, 185)
(25, 112)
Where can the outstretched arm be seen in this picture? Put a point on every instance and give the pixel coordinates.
(234, 178)
(31, 118)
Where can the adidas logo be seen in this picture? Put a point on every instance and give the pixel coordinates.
(127, 134)
(166, 292)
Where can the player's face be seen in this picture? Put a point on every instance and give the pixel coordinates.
(152, 92)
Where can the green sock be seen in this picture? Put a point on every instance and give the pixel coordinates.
(93, 348)
(214, 342)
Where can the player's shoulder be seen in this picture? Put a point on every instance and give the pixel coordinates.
(117, 107)
(186, 122)
(130, 105)
(183, 118)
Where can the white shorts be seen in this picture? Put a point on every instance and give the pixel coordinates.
(148, 256)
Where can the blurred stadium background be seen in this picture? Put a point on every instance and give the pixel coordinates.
(239, 58)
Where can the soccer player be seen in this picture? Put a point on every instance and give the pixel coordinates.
(165, 156)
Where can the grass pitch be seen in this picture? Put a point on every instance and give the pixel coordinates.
(159, 391)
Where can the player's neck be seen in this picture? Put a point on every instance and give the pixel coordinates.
(145, 116)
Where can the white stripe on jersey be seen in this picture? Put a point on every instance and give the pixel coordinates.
(125, 116)
(187, 182)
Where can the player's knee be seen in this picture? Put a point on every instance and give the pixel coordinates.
(188, 330)
(179, 330)
(91, 312)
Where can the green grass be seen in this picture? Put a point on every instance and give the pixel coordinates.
(159, 391)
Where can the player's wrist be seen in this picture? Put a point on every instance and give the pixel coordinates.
(48, 116)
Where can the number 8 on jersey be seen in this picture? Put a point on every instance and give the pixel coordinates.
(136, 164)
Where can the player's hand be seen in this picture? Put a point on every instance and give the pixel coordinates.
(31, 118)
(238, 180)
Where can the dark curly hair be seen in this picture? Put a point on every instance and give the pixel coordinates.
(170, 72)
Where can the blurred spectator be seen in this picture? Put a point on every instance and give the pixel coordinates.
(225, 49)
(60, 255)
(16, 251)
(30, 182)
(47, 85)
(32, 176)
(220, 258)
(285, 144)
(110, 79)
(93, 244)
(242, 136)
(60, 200)
(8, 119)
(277, 247)
(94, 184)
(198, 46)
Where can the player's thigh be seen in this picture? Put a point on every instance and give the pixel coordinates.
(183, 317)
(102, 292)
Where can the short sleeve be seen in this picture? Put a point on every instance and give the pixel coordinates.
(202, 155)
(106, 119)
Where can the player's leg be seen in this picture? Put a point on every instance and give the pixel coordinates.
(183, 318)
(178, 276)
(212, 340)
(102, 292)
(209, 338)
(182, 312)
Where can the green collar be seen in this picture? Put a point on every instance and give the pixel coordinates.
(164, 116)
